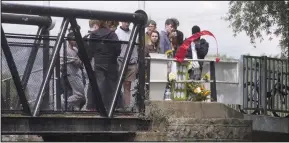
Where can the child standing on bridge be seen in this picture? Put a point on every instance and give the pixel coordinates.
(73, 79)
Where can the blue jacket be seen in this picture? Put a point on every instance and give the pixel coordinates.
(164, 42)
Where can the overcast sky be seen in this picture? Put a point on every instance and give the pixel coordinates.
(206, 14)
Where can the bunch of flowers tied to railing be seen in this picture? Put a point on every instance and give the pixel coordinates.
(194, 91)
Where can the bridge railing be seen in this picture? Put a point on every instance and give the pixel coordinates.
(266, 85)
(160, 68)
(139, 19)
(224, 79)
(20, 46)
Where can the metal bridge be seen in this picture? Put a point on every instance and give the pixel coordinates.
(27, 104)
(30, 85)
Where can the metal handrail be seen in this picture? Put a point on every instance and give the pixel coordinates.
(201, 60)
(198, 81)
(22, 75)
(35, 71)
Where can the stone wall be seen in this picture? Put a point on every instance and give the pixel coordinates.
(195, 121)
(192, 129)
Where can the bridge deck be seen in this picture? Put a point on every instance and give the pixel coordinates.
(87, 123)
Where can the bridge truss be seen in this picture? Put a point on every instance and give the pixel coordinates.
(41, 16)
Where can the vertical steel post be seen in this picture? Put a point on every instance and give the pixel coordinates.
(14, 72)
(263, 84)
(141, 70)
(57, 80)
(84, 58)
(64, 74)
(213, 84)
(244, 81)
(56, 50)
(127, 56)
(287, 30)
(45, 56)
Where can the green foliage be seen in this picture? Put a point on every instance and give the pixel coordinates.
(259, 18)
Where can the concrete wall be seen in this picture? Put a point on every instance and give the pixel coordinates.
(229, 78)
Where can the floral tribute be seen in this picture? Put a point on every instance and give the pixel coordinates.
(181, 90)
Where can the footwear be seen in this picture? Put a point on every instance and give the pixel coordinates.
(127, 109)
(119, 109)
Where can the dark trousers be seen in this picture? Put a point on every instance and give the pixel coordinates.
(106, 78)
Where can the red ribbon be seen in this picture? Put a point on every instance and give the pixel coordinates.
(182, 50)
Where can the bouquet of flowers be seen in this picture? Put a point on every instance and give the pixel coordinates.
(197, 91)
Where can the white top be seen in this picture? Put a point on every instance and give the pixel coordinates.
(195, 64)
(124, 36)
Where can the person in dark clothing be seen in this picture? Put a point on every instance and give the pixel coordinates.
(105, 66)
(201, 47)
(70, 29)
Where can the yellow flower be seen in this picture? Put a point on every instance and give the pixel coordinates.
(207, 77)
(172, 76)
(169, 52)
(202, 87)
(190, 65)
(197, 90)
(206, 93)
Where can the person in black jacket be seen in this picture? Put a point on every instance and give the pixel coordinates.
(202, 48)
(104, 56)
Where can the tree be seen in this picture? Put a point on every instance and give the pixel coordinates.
(259, 18)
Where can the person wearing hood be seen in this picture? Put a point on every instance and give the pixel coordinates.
(198, 50)
(104, 57)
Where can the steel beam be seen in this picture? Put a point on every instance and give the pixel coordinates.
(56, 50)
(76, 13)
(14, 73)
(64, 74)
(141, 71)
(25, 19)
(32, 57)
(91, 76)
(58, 84)
(127, 56)
(57, 124)
(213, 84)
(45, 56)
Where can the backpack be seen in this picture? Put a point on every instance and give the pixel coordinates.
(202, 49)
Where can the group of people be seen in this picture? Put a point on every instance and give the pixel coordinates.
(171, 39)
(107, 58)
